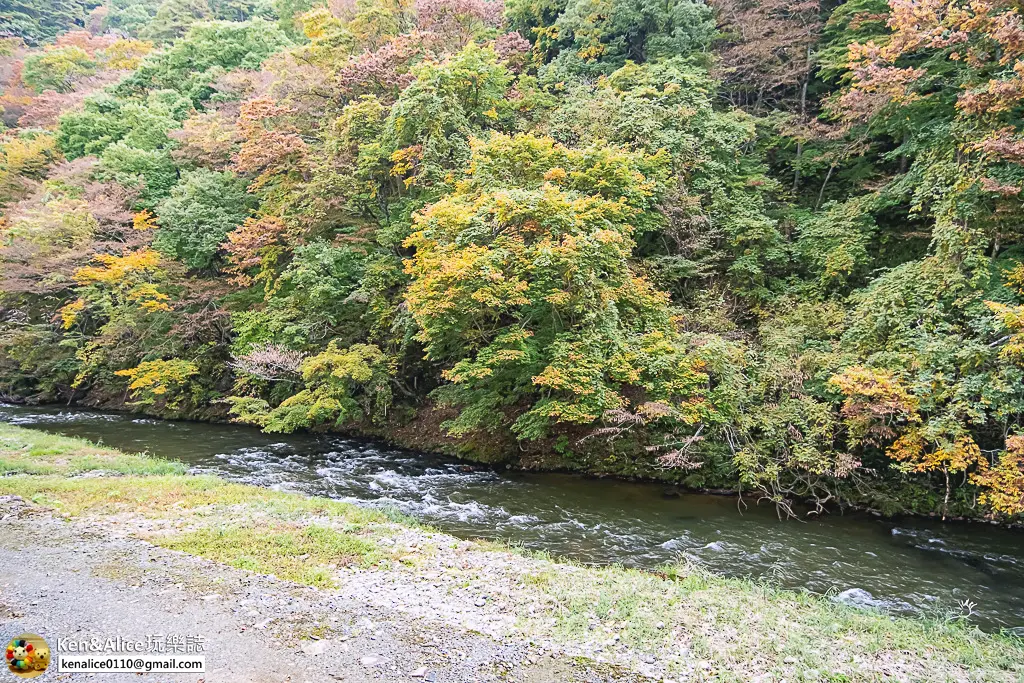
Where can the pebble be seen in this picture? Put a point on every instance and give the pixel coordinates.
(370, 661)
(419, 673)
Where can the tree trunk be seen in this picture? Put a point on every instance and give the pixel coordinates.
(796, 166)
(945, 501)
(821, 194)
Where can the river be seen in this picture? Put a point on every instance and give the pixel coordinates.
(906, 566)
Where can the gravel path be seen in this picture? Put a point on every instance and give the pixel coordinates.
(82, 579)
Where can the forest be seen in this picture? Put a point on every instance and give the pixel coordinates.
(757, 245)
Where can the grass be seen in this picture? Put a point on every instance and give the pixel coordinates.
(306, 555)
(704, 627)
(26, 452)
(733, 624)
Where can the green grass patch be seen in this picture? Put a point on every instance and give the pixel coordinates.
(24, 451)
(177, 495)
(308, 555)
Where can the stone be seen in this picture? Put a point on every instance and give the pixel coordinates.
(315, 647)
(370, 661)
(419, 673)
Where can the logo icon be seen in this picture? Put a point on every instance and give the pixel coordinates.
(28, 655)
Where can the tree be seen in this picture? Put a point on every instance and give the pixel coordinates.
(607, 33)
(129, 16)
(270, 145)
(131, 279)
(342, 386)
(522, 285)
(256, 244)
(947, 83)
(126, 53)
(207, 49)
(37, 21)
(768, 52)
(174, 18)
(161, 381)
(878, 409)
(24, 159)
(427, 133)
(57, 68)
(718, 220)
(198, 215)
(104, 120)
(151, 173)
(1003, 484)
(458, 21)
(768, 47)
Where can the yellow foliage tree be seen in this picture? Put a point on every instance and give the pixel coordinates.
(1012, 318)
(1003, 484)
(69, 313)
(126, 53)
(132, 277)
(156, 380)
(875, 402)
(878, 409)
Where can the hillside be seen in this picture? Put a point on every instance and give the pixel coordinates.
(753, 245)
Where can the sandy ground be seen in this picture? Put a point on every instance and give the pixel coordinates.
(84, 579)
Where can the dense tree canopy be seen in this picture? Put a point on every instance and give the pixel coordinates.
(745, 243)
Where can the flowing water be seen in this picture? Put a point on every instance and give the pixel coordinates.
(904, 566)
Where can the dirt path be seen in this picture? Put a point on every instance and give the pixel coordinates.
(82, 579)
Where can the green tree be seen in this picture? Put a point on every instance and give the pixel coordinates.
(341, 386)
(151, 173)
(130, 16)
(522, 285)
(199, 213)
(104, 120)
(174, 18)
(206, 51)
(601, 35)
(57, 68)
(428, 131)
(37, 21)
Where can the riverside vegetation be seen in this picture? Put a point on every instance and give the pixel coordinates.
(677, 624)
(754, 244)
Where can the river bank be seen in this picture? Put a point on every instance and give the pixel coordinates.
(616, 624)
(911, 566)
(623, 459)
